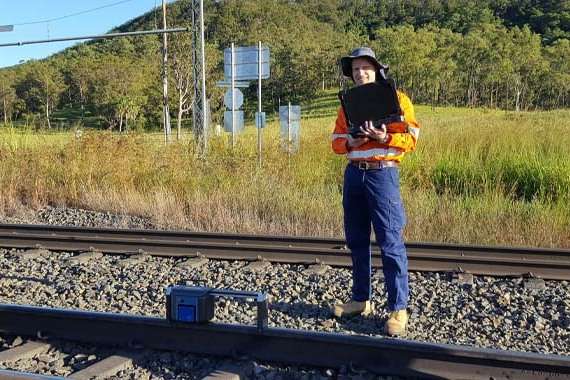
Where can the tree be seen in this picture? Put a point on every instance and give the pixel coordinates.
(549, 18)
(407, 52)
(181, 46)
(441, 67)
(116, 90)
(79, 68)
(558, 93)
(41, 88)
(528, 66)
(7, 94)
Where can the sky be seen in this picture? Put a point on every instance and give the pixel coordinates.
(35, 20)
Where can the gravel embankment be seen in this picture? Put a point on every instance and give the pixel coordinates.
(492, 312)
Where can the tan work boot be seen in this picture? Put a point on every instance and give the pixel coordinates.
(352, 308)
(397, 323)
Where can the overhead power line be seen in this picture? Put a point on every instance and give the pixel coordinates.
(98, 37)
(72, 14)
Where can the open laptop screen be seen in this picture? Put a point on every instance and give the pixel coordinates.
(373, 101)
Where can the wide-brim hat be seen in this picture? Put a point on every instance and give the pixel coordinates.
(361, 52)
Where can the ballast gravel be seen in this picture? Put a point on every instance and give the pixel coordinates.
(65, 358)
(504, 313)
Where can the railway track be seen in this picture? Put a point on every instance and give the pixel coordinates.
(551, 264)
(378, 355)
(374, 354)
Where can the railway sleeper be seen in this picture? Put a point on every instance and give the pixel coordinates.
(81, 366)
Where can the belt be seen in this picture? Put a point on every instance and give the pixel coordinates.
(371, 165)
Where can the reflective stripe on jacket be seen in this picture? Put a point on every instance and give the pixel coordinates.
(402, 137)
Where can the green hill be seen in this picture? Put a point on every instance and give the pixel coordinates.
(493, 53)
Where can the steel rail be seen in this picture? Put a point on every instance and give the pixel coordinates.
(181, 236)
(495, 261)
(378, 355)
(16, 375)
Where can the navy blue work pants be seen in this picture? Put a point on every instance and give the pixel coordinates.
(372, 197)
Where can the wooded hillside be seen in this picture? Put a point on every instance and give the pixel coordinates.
(510, 54)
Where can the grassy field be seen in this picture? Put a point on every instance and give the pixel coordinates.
(478, 177)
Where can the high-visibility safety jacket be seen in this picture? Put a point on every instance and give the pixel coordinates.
(402, 137)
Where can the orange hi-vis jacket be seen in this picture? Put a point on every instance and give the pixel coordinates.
(402, 137)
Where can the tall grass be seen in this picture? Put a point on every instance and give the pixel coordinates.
(523, 156)
(478, 176)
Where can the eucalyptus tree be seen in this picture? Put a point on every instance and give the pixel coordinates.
(558, 77)
(79, 71)
(408, 53)
(549, 18)
(7, 94)
(116, 90)
(528, 66)
(40, 87)
(485, 56)
(442, 67)
(474, 61)
(181, 66)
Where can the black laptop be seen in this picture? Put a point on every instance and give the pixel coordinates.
(375, 101)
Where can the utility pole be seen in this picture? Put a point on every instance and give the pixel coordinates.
(259, 122)
(165, 111)
(200, 104)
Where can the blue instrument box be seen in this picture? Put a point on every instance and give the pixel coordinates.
(189, 304)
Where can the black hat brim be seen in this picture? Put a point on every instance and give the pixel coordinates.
(346, 64)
